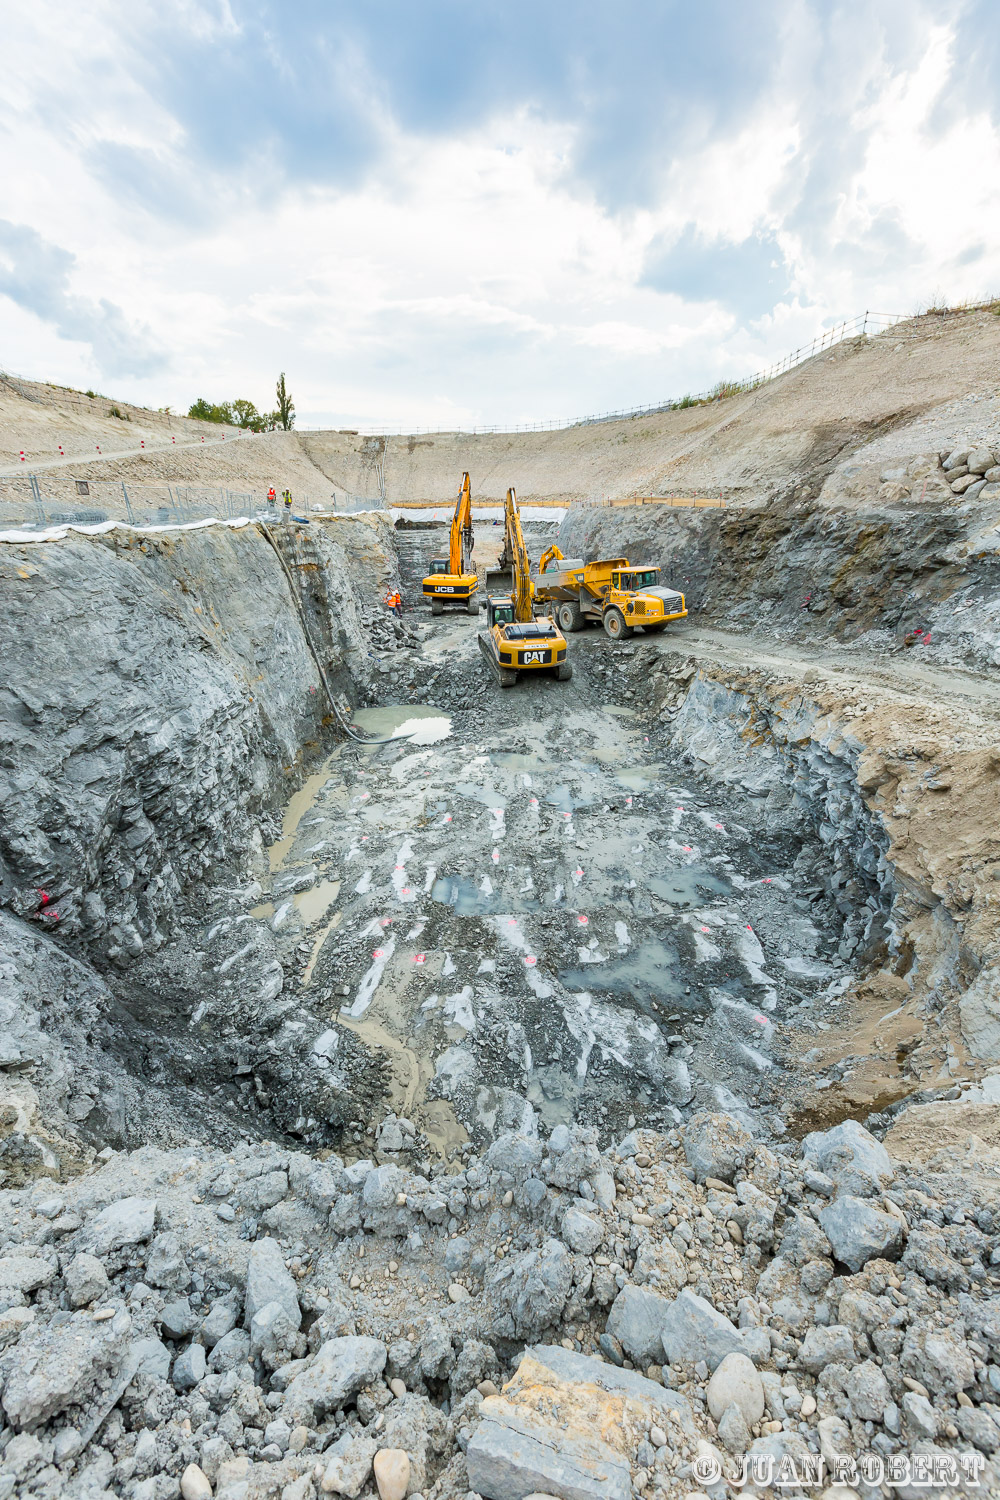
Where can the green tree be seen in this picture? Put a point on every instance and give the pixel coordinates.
(204, 411)
(246, 415)
(286, 406)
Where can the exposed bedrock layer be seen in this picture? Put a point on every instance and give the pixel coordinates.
(161, 700)
(908, 811)
(807, 573)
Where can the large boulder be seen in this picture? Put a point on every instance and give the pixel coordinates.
(52, 1368)
(269, 1280)
(851, 1156)
(859, 1233)
(637, 1320)
(341, 1368)
(127, 1222)
(693, 1330)
(716, 1145)
(530, 1291)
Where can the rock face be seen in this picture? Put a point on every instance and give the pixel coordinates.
(156, 705)
(158, 692)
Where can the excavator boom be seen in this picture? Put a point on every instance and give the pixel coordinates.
(461, 541)
(452, 579)
(523, 592)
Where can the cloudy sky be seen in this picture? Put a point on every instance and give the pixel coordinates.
(458, 211)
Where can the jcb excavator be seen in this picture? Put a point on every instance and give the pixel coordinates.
(611, 592)
(452, 579)
(514, 641)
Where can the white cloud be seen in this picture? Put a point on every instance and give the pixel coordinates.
(467, 276)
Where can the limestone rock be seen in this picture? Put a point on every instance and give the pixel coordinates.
(716, 1145)
(824, 1346)
(694, 1330)
(52, 1368)
(858, 1232)
(637, 1320)
(26, 1273)
(86, 1280)
(338, 1372)
(127, 1222)
(269, 1280)
(349, 1464)
(851, 1156)
(581, 1231)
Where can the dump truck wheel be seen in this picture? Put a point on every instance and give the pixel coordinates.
(570, 617)
(564, 671)
(507, 677)
(473, 605)
(436, 608)
(615, 626)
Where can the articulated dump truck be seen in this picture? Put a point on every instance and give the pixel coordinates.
(611, 592)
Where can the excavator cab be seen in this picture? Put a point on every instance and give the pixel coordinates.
(499, 612)
(452, 579)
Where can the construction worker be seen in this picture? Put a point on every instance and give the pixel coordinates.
(272, 497)
(286, 496)
(394, 601)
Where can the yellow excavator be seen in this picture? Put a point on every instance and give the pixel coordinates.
(452, 579)
(514, 641)
(611, 592)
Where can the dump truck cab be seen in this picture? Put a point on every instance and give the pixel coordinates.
(610, 591)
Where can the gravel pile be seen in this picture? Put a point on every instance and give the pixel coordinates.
(544, 1318)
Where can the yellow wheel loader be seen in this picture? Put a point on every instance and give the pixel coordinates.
(452, 579)
(514, 641)
(611, 592)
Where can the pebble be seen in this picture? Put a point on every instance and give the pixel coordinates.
(459, 1293)
(392, 1473)
(194, 1484)
(808, 1406)
(736, 1383)
(398, 1388)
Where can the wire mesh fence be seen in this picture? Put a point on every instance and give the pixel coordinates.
(37, 502)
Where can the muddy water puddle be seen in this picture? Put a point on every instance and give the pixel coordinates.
(515, 924)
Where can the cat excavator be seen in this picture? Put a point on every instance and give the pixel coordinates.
(452, 579)
(514, 641)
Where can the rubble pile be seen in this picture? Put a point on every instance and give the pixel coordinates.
(545, 1318)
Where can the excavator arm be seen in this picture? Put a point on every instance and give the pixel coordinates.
(523, 591)
(551, 554)
(461, 541)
